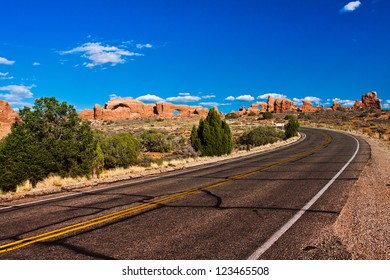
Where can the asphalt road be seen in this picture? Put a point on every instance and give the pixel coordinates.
(226, 210)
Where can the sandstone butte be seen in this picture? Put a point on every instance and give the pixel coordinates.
(124, 109)
(284, 105)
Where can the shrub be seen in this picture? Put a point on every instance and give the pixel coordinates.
(268, 115)
(154, 141)
(260, 136)
(120, 150)
(252, 114)
(212, 137)
(291, 128)
(290, 117)
(49, 138)
(231, 115)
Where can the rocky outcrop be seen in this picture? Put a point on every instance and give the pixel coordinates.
(335, 106)
(124, 109)
(270, 104)
(7, 118)
(283, 105)
(307, 107)
(259, 107)
(369, 100)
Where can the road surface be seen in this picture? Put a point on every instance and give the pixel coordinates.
(265, 206)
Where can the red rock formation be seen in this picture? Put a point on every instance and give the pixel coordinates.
(369, 100)
(283, 105)
(307, 107)
(255, 107)
(123, 109)
(7, 118)
(335, 106)
(270, 104)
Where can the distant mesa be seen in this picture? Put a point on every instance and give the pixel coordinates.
(129, 108)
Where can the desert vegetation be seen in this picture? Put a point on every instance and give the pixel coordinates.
(50, 144)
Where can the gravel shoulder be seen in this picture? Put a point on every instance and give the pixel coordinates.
(363, 226)
(362, 230)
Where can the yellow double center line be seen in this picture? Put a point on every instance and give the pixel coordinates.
(145, 205)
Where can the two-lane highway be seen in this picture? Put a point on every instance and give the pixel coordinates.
(268, 205)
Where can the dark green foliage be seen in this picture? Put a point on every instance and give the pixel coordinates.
(231, 115)
(154, 141)
(290, 117)
(98, 163)
(291, 128)
(268, 115)
(252, 114)
(49, 138)
(260, 136)
(212, 137)
(120, 150)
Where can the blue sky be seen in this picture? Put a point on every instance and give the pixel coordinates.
(224, 53)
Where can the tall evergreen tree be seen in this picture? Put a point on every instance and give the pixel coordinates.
(213, 136)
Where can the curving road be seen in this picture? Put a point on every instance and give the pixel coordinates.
(264, 206)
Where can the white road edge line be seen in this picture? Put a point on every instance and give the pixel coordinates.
(203, 166)
(263, 248)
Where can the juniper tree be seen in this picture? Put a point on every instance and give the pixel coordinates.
(213, 136)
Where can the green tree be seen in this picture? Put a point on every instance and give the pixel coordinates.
(213, 136)
(291, 128)
(154, 141)
(120, 150)
(49, 138)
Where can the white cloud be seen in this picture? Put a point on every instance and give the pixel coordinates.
(297, 101)
(184, 98)
(149, 98)
(386, 105)
(230, 98)
(351, 6)
(15, 94)
(274, 95)
(114, 95)
(209, 104)
(4, 76)
(208, 96)
(344, 102)
(6, 61)
(36, 63)
(141, 46)
(313, 99)
(245, 97)
(184, 93)
(99, 54)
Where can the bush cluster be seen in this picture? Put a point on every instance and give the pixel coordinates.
(47, 139)
(259, 136)
(120, 150)
(154, 141)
